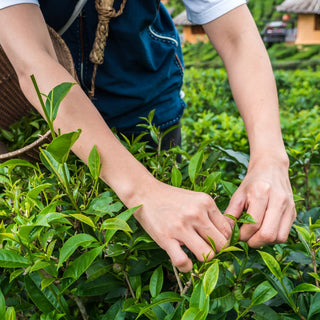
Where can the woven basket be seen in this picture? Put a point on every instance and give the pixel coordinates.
(13, 104)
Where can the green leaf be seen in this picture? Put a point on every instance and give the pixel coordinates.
(123, 216)
(272, 264)
(176, 177)
(60, 147)
(46, 282)
(17, 163)
(94, 163)
(263, 293)
(314, 305)
(163, 298)
(192, 314)
(36, 191)
(10, 314)
(263, 312)
(195, 165)
(156, 282)
(229, 187)
(211, 278)
(45, 299)
(53, 165)
(198, 296)
(82, 218)
(246, 218)
(71, 245)
(77, 267)
(305, 287)
(223, 300)
(2, 305)
(54, 98)
(11, 259)
(115, 312)
(115, 224)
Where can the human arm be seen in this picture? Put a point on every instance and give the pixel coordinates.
(171, 216)
(265, 192)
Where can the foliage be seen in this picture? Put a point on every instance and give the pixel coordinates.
(69, 249)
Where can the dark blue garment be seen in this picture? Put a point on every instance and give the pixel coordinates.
(143, 66)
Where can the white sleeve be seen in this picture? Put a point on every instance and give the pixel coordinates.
(204, 11)
(8, 3)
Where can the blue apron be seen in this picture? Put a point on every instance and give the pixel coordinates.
(143, 66)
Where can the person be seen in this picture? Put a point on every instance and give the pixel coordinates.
(143, 70)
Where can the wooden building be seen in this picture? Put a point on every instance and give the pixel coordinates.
(191, 32)
(308, 27)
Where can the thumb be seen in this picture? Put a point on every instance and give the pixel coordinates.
(236, 206)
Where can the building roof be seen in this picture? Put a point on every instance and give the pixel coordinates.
(181, 19)
(300, 6)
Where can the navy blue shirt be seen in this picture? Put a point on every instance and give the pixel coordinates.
(143, 66)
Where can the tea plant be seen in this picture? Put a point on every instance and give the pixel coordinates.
(69, 249)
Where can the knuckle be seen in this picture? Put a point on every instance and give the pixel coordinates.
(283, 199)
(282, 238)
(268, 236)
(206, 200)
(260, 190)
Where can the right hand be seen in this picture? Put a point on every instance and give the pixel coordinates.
(174, 217)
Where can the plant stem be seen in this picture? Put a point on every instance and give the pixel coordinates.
(50, 124)
(129, 284)
(314, 264)
(68, 190)
(178, 278)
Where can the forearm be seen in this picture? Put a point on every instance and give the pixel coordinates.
(120, 170)
(253, 85)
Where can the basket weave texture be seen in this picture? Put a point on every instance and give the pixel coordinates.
(14, 105)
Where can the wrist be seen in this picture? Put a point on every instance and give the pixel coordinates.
(277, 158)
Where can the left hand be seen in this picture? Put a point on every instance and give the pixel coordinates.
(266, 195)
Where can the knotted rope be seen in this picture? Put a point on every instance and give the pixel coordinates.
(105, 13)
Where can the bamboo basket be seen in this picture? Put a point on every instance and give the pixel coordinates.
(13, 104)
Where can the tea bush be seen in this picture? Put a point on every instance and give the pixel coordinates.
(69, 249)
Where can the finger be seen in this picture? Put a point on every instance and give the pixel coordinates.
(236, 206)
(217, 234)
(257, 208)
(198, 246)
(220, 223)
(269, 230)
(178, 257)
(286, 223)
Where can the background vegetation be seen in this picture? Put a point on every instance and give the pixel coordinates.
(69, 249)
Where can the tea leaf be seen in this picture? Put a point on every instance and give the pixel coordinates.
(246, 218)
(272, 264)
(2, 305)
(198, 296)
(192, 314)
(125, 216)
(211, 278)
(94, 163)
(60, 147)
(195, 165)
(305, 287)
(156, 282)
(314, 305)
(77, 267)
(10, 314)
(83, 218)
(54, 98)
(263, 293)
(10, 259)
(71, 245)
(115, 224)
(44, 299)
(176, 177)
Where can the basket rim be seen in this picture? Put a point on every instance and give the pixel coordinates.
(25, 149)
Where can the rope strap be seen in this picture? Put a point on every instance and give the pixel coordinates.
(105, 13)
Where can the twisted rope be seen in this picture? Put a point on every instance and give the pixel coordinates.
(105, 13)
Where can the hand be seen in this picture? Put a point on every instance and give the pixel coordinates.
(266, 194)
(174, 217)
